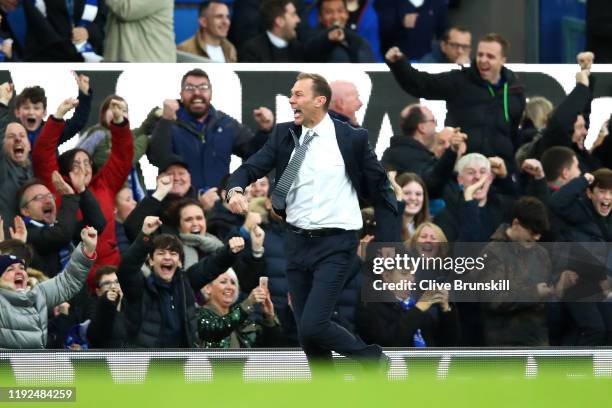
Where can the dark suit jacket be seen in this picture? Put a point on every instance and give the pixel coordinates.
(261, 49)
(365, 172)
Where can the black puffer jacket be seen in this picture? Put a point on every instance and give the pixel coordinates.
(489, 116)
(146, 299)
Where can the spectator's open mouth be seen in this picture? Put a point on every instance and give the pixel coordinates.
(167, 267)
(31, 121)
(196, 230)
(20, 281)
(604, 208)
(18, 151)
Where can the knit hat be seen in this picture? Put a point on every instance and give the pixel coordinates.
(8, 260)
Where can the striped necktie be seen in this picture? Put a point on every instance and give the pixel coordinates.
(279, 196)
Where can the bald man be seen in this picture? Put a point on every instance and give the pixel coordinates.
(345, 102)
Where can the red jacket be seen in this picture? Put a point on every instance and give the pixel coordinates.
(104, 184)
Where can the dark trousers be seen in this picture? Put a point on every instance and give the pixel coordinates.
(317, 269)
(593, 322)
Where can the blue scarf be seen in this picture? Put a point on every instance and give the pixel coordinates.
(417, 339)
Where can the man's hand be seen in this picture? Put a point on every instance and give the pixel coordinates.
(89, 237)
(458, 141)
(7, 48)
(534, 168)
(6, 92)
(397, 190)
(410, 20)
(264, 118)
(589, 178)
(582, 77)
(79, 35)
(468, 193)
(567, 279)
(209, 198)
(498, 167)
(62, 308)
(112, 296)
(119, 110)
(164, 186)
(150, 224)
(336, 35)
(394, 54)
(544, 290)
(238, 204)
(252, 220)
(20, 231)
(60, 184)
(236, 244)
(429, 298)
(257, 239)
(170, 108)
(585, 60)
(82, 82)
(64, 107)
(77, 178)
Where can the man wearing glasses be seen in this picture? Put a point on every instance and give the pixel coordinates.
(52, 233)
(454, 48)
(486, 100)
(202, 136)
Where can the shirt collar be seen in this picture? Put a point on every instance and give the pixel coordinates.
(277, 41)
(323, 128)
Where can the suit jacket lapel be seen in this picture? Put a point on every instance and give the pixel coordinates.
(286, 147)
(345, 144)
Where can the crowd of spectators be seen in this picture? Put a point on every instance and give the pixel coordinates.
(90, 259)
(229, 31)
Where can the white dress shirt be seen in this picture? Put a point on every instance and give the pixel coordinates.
(322, 195)
(277, 41)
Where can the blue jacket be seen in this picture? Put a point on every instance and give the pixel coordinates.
(206, 147)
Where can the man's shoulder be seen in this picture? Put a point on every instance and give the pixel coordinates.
(189, 45)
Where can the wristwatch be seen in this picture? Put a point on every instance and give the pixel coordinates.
(229, 194)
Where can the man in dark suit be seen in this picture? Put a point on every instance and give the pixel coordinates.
(323, 168)
(279, 43)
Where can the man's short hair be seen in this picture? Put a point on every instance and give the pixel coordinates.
(410, 122)
(103, 270)
(20, 194)
(320, 86)
(205, 4)
(472, 158)
(603, 179)
(169, 242)
(34, 94)
(531, 213)
(270, 10)
(461, 29)
(197, 72)
(555, 159)
(494, 37)
(320, 3)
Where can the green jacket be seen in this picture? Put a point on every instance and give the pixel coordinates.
(237, 329)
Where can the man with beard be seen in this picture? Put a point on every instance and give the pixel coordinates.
(31, 109)
(15, 168)
(202, 136)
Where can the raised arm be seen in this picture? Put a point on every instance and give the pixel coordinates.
(418, 83)
(68, 283)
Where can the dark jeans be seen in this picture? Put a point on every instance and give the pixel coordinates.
(317, 269)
